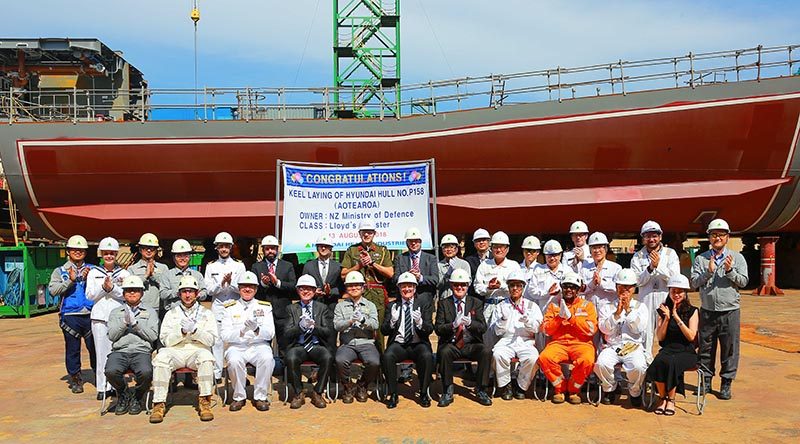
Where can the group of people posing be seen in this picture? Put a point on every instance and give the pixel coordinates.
(576, 308)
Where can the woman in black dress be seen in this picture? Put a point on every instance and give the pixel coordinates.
(676, 333)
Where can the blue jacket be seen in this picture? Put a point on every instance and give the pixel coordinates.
(73, 294)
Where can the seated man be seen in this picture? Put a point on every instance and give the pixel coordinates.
(571, 323)
(624, 324)
(356, 320)
(408, 329)
(307, 333)
(516, 323)
(460, 326)
(132, 329)
(188, 332)
(247, 330)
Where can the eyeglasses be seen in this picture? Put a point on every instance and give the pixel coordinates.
(718, 235)
(459, 284)
(516, 285)
(570, 287)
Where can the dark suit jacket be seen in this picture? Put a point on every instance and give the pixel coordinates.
(323, 329)
(427, 321)
(280, 298)
(334, 278)
(446, 315)
(427, 267)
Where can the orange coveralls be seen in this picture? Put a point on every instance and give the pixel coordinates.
(571, 341)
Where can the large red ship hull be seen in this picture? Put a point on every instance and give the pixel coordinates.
(676, 156)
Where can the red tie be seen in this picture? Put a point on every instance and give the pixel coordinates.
(460, 331)
(272, 268)
(415, 263)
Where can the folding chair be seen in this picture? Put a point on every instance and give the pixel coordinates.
(699, 394)
(305, 364)
(382, 386)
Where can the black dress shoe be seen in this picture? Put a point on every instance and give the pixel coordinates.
(725, 389)
(508, 394)
(518, 392)
(483, 398)
(392, 402)
(447, 397)
(109, 394)
(608, 398)
(636, 401)
(134, 407)
(424, 400)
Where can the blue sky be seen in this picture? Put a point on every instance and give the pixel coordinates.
(261, 42)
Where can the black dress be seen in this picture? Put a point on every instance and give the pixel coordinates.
(677, 354)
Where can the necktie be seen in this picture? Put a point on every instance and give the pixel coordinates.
(459, 339)
(308, 340)
(415, 263)
(272, 268)
(408, 334)
(324, 272)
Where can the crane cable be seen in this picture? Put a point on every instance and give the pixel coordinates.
(305, 47)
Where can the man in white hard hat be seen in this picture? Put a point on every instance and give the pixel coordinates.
(374, 261)
(654, 265)
(545, 286)
(149, 270)
(408, 328)
(578, 232)
(480, 239)
(307, 335)
(221, 279)
(247, 330)
(277, 281)
(490, 281)
(449, 263)
(531, 247)
(188, 332)
(419, 263)
(356, 320)
(328, 274)
(69, 282)
(460, 326)
(598, 272)
(623, 325)
(719, 274)
(516, 323)
(104, 287)
(133, 330)
(181, 255)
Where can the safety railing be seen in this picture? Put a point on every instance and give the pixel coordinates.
(491, 91)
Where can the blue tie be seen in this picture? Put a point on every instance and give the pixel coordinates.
(408, 334)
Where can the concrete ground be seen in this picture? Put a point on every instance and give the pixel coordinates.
(36, 405)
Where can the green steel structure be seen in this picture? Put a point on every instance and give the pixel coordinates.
(366, 58)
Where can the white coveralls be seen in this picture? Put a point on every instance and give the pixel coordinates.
(628, 328)
(568, 259)
(516, 332)
(652, 285)
(104, 303)
(244, 346)
(220, 294)
(538, 291)
(487, 270)
(180, 349)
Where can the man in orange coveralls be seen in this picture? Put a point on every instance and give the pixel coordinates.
(571, 323)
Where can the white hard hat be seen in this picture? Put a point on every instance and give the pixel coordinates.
(718, 224)
(413, 233)
(248, 278)
(132, 282)
(366, 225)
(460, 275)
(77, 241)
(407, 278)
(148, 240)
(354, 277)
(480, 233)
(500, 238)
(679, 281)
(531, 243)
(626, 276)
(188, 282)
(516, 275)
(223, 238)
(181, 246)
(323, 239)
(449, 239)
(306, 280)
(651, 227)
(570, 277)
(108, 244)
(269, 240)
(552, 247)
(578, 226)
(597, 238)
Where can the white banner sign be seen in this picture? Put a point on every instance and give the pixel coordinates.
(332, 201)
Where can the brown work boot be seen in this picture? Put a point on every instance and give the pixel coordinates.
(349, 390)
(157, 415)
(318, 401)
(205, 408)
(298, 400)
(76, 383)
(361, 392)
(261, 405)
(574, 398)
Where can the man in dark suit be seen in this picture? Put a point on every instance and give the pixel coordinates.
(408, 327)
(329, 285)
(307, 333)
(420, 264)
(460, 325)
(480, 239)
(276, 284)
